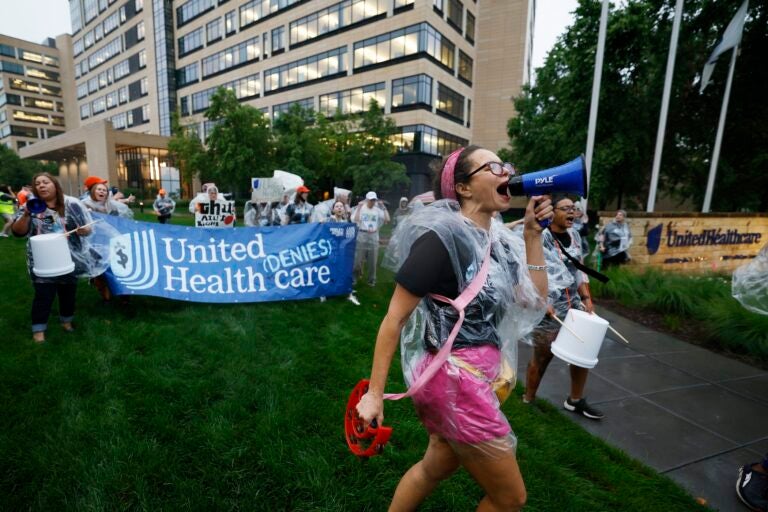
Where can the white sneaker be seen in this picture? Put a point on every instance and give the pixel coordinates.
(353, 299)
(3, 235)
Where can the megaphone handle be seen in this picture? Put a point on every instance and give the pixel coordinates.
(545, 223)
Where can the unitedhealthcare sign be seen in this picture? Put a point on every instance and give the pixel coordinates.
(292, 262)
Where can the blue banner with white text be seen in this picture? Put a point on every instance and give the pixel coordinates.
(300, 261)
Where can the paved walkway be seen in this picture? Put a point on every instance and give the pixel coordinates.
(686, 412)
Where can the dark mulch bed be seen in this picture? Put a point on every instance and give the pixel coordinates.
(691, 331)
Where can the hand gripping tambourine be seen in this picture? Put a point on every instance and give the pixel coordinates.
(362, 441)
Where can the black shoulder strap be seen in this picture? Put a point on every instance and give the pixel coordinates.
(579, 265)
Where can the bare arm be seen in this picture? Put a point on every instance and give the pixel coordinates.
(401, 306)
(538, 208)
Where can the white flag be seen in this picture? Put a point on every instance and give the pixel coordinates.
(731, 38)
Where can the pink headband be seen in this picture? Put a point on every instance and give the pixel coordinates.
(447, 185)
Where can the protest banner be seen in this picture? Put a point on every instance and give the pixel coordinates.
(266, 190)
(215, 214)
(234, 265)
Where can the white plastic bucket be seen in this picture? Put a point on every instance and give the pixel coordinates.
(51, 255)
(590, 328)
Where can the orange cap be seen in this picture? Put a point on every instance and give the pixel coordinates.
(302, 189)
(93, 180)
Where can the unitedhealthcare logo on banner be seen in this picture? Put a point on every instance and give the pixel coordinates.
(234, 265)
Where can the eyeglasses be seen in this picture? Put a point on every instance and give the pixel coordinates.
(496, 168)
(566, 209)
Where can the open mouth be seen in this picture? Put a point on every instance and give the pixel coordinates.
(569, 218)
(503, 190)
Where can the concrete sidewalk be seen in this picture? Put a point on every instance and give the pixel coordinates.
(686, 412)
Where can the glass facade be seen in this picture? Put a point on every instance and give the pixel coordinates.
(165, 65)
(312, 68)
(247, 51)
(352, 101)
(450, 103)
(420, 138)
(421, 38)
(244, 88)
(282, 108)
(412, 91)
(334, 18)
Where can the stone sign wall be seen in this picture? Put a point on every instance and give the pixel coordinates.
(694, 242)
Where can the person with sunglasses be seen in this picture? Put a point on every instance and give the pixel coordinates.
(568, 288)
(437, 251)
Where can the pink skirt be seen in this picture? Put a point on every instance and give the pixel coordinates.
(458, 405)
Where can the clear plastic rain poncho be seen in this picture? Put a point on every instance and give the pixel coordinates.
(750, 283)
(90, 253)
(109, 207)
(617, 238)
(563, 277)
(506, 309)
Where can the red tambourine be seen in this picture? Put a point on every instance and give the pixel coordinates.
(362, 441)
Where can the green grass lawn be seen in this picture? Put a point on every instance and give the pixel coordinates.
(163, 405)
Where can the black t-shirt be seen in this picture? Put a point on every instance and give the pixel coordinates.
(428, 269)
(564, 238)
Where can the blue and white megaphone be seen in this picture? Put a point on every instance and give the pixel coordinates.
(35, 205)
(569, 178)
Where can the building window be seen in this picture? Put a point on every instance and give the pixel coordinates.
(450, 103)
(98, 105)
(82, 90)
(122, 95)
(76, 15)
(111, 22)
(10, 51)
(121, 69)
(85, 111)
(278, 40)
(412, 91)
(399, 4)
(140, 31)
(282, 108)
(335, 17)
(142, 59)
(465, 67)
(230, 22)
(93, 85)
(187, 75)
(192, 9)
(11, 67)
(190, 42)
(119, 121)
(245, 52)
(400, 43)
(98, 32)
(455, 14)
(91, 9)
(352, 101)
(213, 31)
(255, 10)
(88, 39)
(244, 88)
(102, 80)
(421, 138)
(469, 29)
(111, 100)
(304, 70)
(105, 53)
(184, 105)
(139, 5)
(438, 5)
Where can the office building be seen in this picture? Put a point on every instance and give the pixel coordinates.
(31, 97)
(444, 70)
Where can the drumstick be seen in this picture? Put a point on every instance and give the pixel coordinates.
(84, 226)
(617, 333)
(568, 328)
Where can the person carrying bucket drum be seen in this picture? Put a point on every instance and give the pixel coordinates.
(467, 289)
(53, 212)
(568, 288)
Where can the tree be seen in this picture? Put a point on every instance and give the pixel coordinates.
(187, 151)
(370, 153)
(240, 145)
(299, 145)
(16, 172)
(553, 115)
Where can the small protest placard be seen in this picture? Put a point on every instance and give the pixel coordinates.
(266, 190)
(215, 214)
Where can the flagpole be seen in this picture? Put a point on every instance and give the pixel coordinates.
(719, 136)
(664, 106)
(595, 94)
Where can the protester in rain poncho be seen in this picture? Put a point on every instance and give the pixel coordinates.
(615, 239)
(98, 199)
(261, 214)
(440, 249)
(750, 283)
(568, 288)
(62, 213)
(163, 206)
